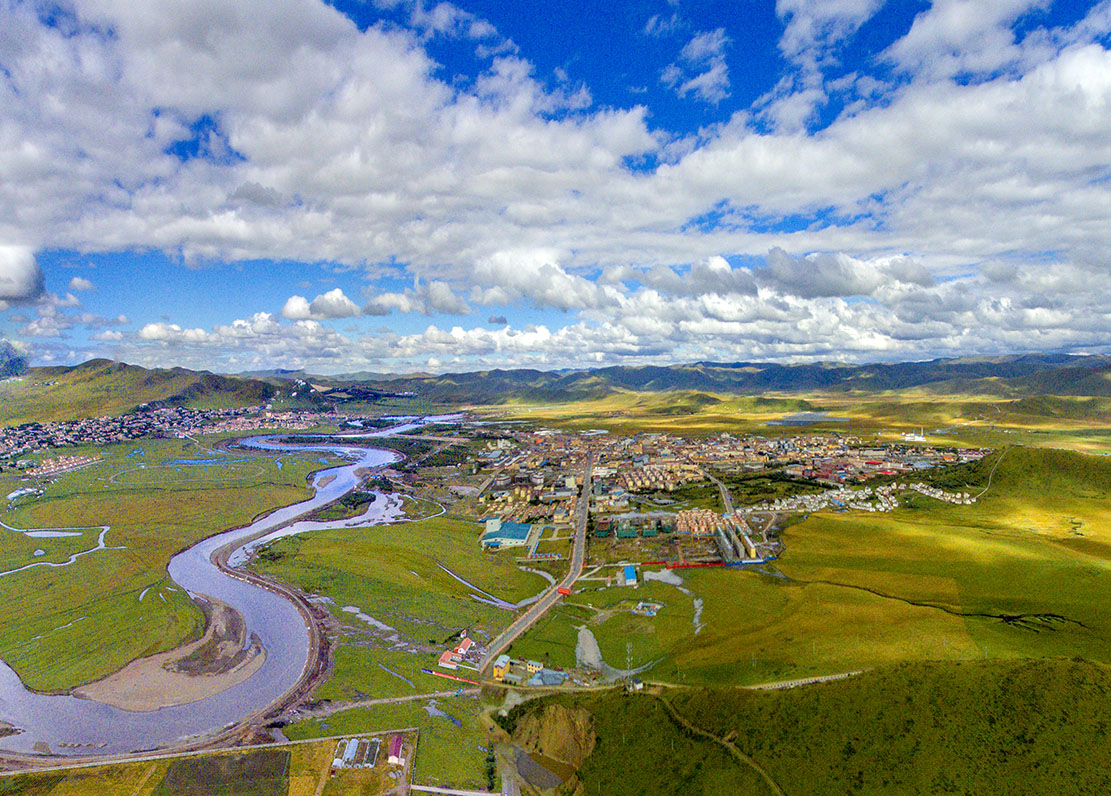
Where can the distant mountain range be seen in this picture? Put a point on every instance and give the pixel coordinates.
(103, 387)
(1006, 376)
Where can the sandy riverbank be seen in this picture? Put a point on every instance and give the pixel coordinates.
(213, 663)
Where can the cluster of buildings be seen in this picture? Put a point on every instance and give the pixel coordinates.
(697, 522)
(958, 498)
(465, 654)
(355, 753)
(882, 498)
(659, 477)
(268, 419)
(632, 525)
(534, 673)
(166, 422)
(634, 479)
(61, 464)
(832, 459)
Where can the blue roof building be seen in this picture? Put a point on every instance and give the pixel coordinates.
(500, 533)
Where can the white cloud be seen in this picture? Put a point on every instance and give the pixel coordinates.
(814, 27)
(701, 68)
(429, 299)
(333, 304)
(162, 332)
(80, 283)
(962, 36)
(296, 307)
(536, 276)
(20, 276)
(930, 215)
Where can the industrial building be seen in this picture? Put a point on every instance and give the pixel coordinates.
(500, 534)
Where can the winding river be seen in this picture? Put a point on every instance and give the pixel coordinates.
(68, 725)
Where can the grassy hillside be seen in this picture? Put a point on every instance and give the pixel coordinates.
(1036, 727)
(99, 387)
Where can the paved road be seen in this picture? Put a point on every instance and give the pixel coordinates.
(726, 498)
(552, 595)
(452, 791)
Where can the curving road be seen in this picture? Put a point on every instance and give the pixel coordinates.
(726, 498)
(552, 595)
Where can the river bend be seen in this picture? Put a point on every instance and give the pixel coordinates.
(69, 725)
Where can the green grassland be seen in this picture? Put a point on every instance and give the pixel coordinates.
(692, 495)
(1032, 727)
(393, 573)
(760, 487)
(80, 622)
(623, 636)
(988, 420)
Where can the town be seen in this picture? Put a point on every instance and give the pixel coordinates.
(681, 493)
(33, 438)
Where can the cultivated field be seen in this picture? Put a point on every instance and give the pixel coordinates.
(292, 769)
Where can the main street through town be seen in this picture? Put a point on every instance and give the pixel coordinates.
(552, 596)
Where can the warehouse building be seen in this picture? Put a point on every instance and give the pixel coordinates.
(500, 534)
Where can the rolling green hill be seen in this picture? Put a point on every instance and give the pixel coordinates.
(1034, 727)
(100, 387)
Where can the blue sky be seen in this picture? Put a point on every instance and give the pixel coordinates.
(398, 185)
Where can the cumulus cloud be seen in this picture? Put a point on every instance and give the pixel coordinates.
(962, 36)
(161, 332)
(80, 283)
(536, 276)
(429, 299)
(21, 278)
(333, 304)
(916, 220)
